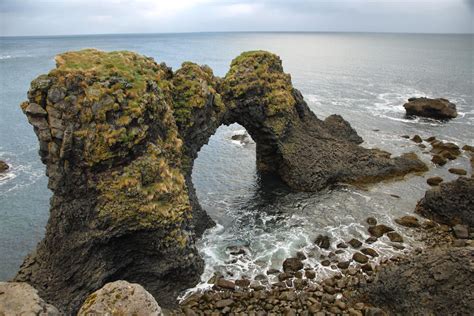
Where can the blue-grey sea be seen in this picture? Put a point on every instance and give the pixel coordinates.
(364, 77)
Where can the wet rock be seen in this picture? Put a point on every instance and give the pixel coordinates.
(360, 258)
(417, 139)
(225, 284)
(400, 289)
(326, 263)
(273, 271)
(371, 221)
(468, 148)
(292, 265)
(438, 160)
(379, 230)
(458, 171)
(408, 221)
(3, 166)
(22, 299)
(430, 139)
(370, 252)
(394, 237)
(310, 274)
(433, 181)
(342, 245)
(300, 255)
(450, 203)
(406, 136)
(120, 298)
(445, 150)
(356, 244)
(323, 241)
(461, 231)
(432, 108)
(343, 264)
(371, 240)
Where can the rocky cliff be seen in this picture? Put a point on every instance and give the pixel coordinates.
(118, 134)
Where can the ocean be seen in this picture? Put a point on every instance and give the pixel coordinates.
(366, 78)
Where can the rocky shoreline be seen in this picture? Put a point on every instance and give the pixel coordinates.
(119, 133)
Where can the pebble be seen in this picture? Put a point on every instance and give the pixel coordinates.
(458, 171)
(434, 181)
(355, 243)
(360, 257)
(408, 221)
(370, 252)
(395, 237)
(224, 303)
(371, 221)
(379, 230)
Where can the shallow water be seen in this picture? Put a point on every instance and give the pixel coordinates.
(364, 77)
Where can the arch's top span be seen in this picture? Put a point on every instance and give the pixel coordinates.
(118, 134)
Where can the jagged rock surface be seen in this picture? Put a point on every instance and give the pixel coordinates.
(118, 134)
(432, 108)
(438, 282)
(120, 298)
(22, 299)
(451, 203)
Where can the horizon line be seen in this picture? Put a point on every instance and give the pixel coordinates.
(224, 32)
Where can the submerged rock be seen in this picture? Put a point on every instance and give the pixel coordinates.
(120, 298)
(451, 203)
(432, 108)
(119, 133)
(22, 299)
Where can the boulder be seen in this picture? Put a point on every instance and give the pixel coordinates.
(434, 181)
(323, 242)
(19, 298)
(458, 171)
(120, 298)
(292, 265)
(3, 166)
(450, 203)
(432, 108)
(402, 289)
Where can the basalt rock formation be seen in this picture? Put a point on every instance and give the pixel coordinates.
(118, 134)
(432, 108)
(438, 282)
(451, 203)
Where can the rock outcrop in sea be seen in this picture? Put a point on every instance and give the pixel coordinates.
(3, 166)
(432, 108)
(118, 134)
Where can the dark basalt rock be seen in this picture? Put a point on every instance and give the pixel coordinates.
(119, 133)
(432, 108)
(3, 166)
(450, 203)
(438, 282)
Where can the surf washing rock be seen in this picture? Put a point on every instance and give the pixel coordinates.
(119, 133)
(432, 108)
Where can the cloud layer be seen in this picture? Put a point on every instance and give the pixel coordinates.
(58, 17)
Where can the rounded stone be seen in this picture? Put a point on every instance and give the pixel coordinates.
(120, 298)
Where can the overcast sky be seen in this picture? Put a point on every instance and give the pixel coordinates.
(59, 17)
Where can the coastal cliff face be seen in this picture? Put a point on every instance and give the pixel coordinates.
(119, 133)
